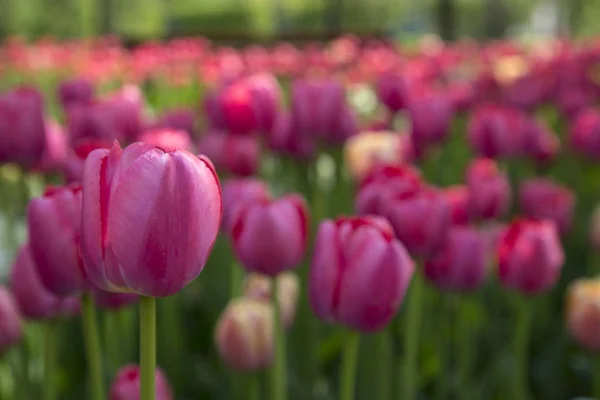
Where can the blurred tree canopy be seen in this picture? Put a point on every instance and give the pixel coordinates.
(263, 19)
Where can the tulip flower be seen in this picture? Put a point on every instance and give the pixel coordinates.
(260, 287)
(458, 197)
(544, 199)
(460, 265)
(11, 330)
(392, 90)
(540, 143)
(530, 256)
(266, 95)
(244, 334)
(55, 151)
(284, 221)
(496, 132)
(235, 154)
(126, 385)
(54, 224)
(121, 188)
(22, 126)
(236, 106)
(33, 299)
(94, 121)
(75, 91)
(239, 190)
(367, 149)
(430, 113)
(180, 119)
(286, 138)
(73, 165)
(167, 139)
(583, 313)
(489, 188)
(585, 134)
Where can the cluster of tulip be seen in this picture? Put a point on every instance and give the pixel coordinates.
(335, 183)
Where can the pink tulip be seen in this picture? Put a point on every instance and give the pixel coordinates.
(496, 132)
(392, 90)
(75, 91)
(180, 119)
(237, 191)
(430, 113)
(489, 189)
(150, 218)
(237, 108)
(266, 95)
(11, 329)
(287, 139)
(544, 199)
(284, 221)
(126, 385)
(459, 199)
(540, 144)
(359, 273)
(168, 140)
(235, 154)
(73, 165)
(530, 256)
(460, 265)
(585, 134)
(33, 299)
(54, 225)
(55, 151)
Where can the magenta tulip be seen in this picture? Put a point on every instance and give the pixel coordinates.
(287, 139)
(54, 225)
(359, 273)
(11, 329)
(530, 256)
(33, 299)
(544, 199)
(540, 143)
(496, 132)
(126, 385)
(237, 191)
(237, 108)
(167, 140)
(459, 199)
(150, 218)
(235, 154)
(392, 90)
(180, 119)
(284, 221)
(55, 151)
(430, 113)
(585, 134)
(460, 265)
(75, 91)
(73, 165)
(489, 189)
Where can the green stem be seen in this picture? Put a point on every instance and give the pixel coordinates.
(524, 312)
(252, 387)
(147, 347)
(50, 360)
(382, 358)
(596, 377)
(464, 345)
(408, 383)
(112, 340)
(93, 351)
(349, 366)
(236, 276)
(278, 377)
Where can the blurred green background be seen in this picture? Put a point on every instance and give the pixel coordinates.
(245, 20)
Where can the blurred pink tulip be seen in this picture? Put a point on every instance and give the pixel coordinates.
(126, 385)
(458, 197)
(496, 132)
(489, 189)
(11, 329)
(545, 199)
(237, 191)
(167, 139)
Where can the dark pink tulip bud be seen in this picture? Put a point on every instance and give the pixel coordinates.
(167, 139)
(359, 273)
(489, 189)
(11, 329)
(75, 91)
(126, 107)
(420, 220)
(430, 113)
(528, 91)
(55, 152)
(73, 165)
(113, 301)
(544, 199)
(383, 182)
(585, 134)
(54, 225)
(287, 139)
(496, 132)
(240, 155)
(573, 99)
(530, 256)
(149, 218)
(460, 265)
(22, 126)
(237, 191)
(126, 385)
(540, 143)
(284, 221)
(237, 108)
(33, 299)
(392, 90)
(266, 97)
(212, 109)
(459, 199)
(181, 119)
(461, 95)
(94, 121)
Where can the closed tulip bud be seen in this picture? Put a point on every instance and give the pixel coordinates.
(540, 144)
(126, 107)
(75, 91)
(460, 265)
(237, 191)
(530, 256)
(392, 90)
(385, 181)
(284, 221)
(33, 299)
(496, 132)
(11, 329)
(420, 220)
(95, 121)
(430, 114)
(368, 149)
(73, 165)
(266, 97)
(167, 139)
(241, 155)
(244, 334)
(54, 225)
(286, 138)
(544, 199)
(459, 198)
(126, 385)
(55, 151)
(574, 99)
(359, 273)
(583, 313)
(237, 108)
(149, 218)
(113, 301)
(489, 188)
(260, 287)
(180, 119)
(22, 127)
(585, 134)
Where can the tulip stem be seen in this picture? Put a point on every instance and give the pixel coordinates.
(464, 342)
(93, 351)
(349, 366)
(253, 386)
(408, 383)
(147, 347)
(382, 359)
(50, 360)
(596, 377)
(235, 279)
(278, 378)
(524, 312)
